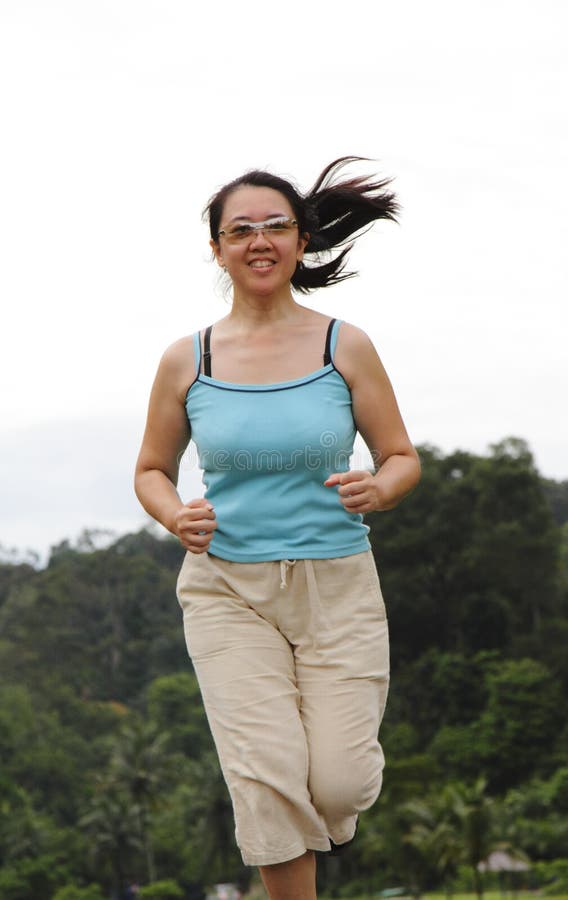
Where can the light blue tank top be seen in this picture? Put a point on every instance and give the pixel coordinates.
(265, 451)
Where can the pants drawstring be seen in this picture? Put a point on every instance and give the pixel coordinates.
(285, 564)
(317, 620)
(314, 600)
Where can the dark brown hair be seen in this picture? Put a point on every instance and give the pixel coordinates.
(331, 213)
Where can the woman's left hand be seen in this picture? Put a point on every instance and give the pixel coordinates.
(358, 491)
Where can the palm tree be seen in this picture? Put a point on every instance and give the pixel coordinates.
(212, 814)
(471, 810)
(434, 837)
(113, 824)
(453, 827)
(140, 768)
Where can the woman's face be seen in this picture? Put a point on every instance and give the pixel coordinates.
(265, 261)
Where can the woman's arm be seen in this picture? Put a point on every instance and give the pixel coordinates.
(165, 438)
(380, 424)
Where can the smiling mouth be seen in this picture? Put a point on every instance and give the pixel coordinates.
(261, 263)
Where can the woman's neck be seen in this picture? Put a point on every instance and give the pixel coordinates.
(250, 311)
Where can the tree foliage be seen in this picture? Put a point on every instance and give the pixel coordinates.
(108, 771)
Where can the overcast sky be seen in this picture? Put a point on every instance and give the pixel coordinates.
(121, 117)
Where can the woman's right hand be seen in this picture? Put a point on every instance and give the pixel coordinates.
(194, 524)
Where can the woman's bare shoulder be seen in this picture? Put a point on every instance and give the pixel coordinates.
(352, 336)
(179, 351)
(178, 365)
(355, 351)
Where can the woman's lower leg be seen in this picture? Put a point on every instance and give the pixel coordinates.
(291, 880)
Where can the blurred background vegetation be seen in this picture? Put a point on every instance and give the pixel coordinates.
(108, 775)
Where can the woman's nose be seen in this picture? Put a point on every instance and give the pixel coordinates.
(260, 238)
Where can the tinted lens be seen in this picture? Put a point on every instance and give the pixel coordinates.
(278, 225)
(243, 231)
(239, 232)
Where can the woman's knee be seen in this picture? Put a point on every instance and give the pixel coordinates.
(345, 790)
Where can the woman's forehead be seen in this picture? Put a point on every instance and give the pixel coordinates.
(255, 203)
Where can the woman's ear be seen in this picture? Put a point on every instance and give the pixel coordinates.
(303, 241)
(217, 252)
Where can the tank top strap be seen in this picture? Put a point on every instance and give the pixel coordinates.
(197, 353)
(331, 341)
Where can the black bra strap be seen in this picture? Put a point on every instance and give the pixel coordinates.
(207, 352)
(327, 353)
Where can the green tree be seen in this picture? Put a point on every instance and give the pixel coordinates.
(517, 537)
(434, 836)
(124, 601)
(115, 841)
(212, 830)
(40, 754)
(471, 560)
(161, 890)
(22, 831)
(524, 714)
(471, 810)
(534, 817)
(141, 769)
(72, 892)
(175, 706)
(33, 877)
(440, 689)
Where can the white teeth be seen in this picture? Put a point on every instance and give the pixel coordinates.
(260, 263)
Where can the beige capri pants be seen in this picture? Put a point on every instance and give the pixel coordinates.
(293, 664)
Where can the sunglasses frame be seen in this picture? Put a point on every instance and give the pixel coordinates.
(253, 228)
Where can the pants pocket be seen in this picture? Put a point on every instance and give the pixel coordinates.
(375, 585)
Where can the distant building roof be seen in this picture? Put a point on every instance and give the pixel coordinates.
(500, 861)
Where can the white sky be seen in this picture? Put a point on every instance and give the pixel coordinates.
(119, 118)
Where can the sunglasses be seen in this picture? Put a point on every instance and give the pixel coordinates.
(244, 231)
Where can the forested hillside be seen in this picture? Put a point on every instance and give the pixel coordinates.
(107, 770)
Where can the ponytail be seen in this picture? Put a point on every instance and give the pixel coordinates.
(340, 210)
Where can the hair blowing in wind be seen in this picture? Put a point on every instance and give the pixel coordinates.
(332, 212)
